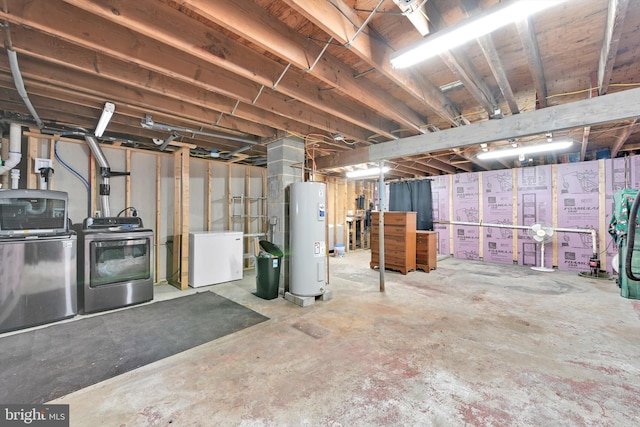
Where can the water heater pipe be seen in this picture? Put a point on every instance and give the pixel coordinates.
(15, 149)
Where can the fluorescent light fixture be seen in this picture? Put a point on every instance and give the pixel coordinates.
(107, 112)
(482, 24)
(359, 173)
(526, 150)
(450, 86)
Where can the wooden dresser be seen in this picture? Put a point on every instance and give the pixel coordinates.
(426, 250)
(399, 241)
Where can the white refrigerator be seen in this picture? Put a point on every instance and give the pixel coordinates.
(215, 257)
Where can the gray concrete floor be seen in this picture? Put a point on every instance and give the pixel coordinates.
(470, 343)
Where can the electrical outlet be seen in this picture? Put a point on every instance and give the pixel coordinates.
(40, 164)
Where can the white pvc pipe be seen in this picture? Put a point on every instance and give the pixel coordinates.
(15, 149)
(15, 179)
(19, 83)
(594, 234)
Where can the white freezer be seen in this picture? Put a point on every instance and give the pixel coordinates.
(215, 257)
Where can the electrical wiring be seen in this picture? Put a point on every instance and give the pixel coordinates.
(577, 92)
(312, 138)
(133, 210)
(325, 42)
(76, 173)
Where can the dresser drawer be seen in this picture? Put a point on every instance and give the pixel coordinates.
(393, 218)
(390, 230)
(389, 239)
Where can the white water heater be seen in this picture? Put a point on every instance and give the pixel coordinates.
(307, 244)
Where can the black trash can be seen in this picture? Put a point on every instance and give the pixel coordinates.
(268, 264)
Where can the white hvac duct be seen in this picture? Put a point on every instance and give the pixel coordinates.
(15, 149)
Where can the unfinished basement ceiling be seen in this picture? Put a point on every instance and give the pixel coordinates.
(246, 73)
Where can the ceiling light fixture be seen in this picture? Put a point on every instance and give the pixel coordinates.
(482, 24)
(107, 112)
(450, 86)
(528, 149)
(359, 173)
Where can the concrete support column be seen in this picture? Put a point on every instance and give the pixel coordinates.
(285, 160)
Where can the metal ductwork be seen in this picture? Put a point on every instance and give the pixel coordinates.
(148, 123)
(105, 173)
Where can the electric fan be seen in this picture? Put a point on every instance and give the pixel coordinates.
(541, 234)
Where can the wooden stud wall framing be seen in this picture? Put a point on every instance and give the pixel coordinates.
(330, 211)
(247, 214)
(265, 194)
(229, 195)
(52, 155)
(554, 213)
(602, 214)
(350, 206)
(158, 212)
(480, 215)
(343, 213)
(514, 218)
(127, 182)
(33, 180)
(181, 217)
(208, 198)
(451, 227)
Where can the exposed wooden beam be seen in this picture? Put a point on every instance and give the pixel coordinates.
(613, 107)
(462, 153)
(177, 62)
(437, 164)
(245, 16)
(493, 59)
(462, 165)
(613, 30)
(527, 33)
(465, 71)
(587, 129)
(419, 166)
(490, 52)
(621, 136)
(167, 92)
(340, 21)
(56, 106)
(585, 142)
(402, 170)
(416, 14)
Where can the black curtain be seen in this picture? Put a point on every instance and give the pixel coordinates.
(413, 196)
